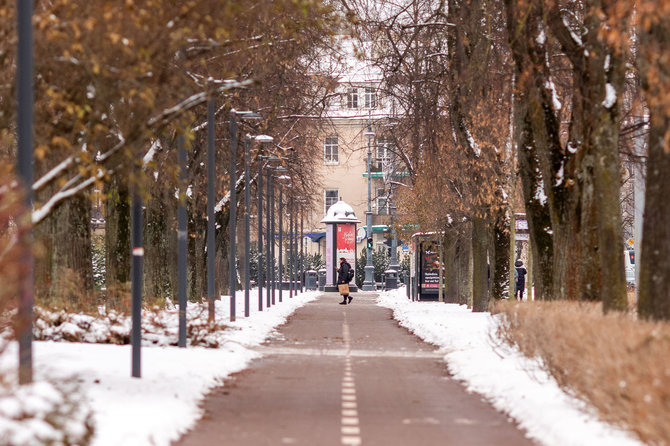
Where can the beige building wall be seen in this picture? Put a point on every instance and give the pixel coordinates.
(347, 176)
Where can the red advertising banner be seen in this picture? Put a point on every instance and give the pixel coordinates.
(346, 237)
(346, 243)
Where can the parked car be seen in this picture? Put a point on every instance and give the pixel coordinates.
(629, 264)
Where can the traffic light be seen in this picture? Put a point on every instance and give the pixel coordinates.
(369, 242)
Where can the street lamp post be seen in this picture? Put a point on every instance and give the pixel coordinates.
(182, 228)
(259, 188)
(292, 257)
(136, 268)
(280, 208)
(369, 282)
(263, 275)
(24, 167)
(211, 249)
(269, 239)
(272, 240)
(232, 214)
(394, 244)
(247, 222)
(281, 239)
(302, 250)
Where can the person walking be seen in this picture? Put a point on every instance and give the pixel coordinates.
(344, 275)
(520, 276)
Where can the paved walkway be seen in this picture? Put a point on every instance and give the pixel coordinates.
(348, 375)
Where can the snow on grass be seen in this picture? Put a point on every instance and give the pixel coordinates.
(161, 405)
(514, 384)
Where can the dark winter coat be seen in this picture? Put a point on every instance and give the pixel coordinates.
(343, 273)
(521, 271)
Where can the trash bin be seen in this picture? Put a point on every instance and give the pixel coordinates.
(390, 279)
(310, 279)
(322, 279)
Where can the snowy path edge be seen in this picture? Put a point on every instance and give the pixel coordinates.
(515, 385)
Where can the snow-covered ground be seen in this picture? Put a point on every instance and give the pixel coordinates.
(513, 383)
(160, 406)
(163, 404)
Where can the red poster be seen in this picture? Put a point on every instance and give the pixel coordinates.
(346, 237)
(346, 243)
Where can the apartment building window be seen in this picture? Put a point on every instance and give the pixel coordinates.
(330, 155)
(352, 98)
(382, 202)
(370, 98)
(383, 152)
(331, 197)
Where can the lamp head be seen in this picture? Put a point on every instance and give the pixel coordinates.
(264, 138)
(248, 114)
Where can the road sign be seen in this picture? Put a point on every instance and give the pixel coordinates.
(630, 242)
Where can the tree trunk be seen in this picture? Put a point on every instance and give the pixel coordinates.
(197, 258)
(451, 268)
(464, 256)
(500, 272)
(160, 236)
(480, 267)
(654, 261)
(67, 264)
(654, 258)
(537, 215)
(222, 241)
(117, 234)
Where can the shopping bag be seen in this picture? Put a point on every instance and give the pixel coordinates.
(344, 288)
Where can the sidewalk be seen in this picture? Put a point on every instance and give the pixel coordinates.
(348, 375)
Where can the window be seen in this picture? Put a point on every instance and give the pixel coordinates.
(352, 98)
(331, 197)
(330, 150)
(370, 98)
(382, 202)
(383, 153)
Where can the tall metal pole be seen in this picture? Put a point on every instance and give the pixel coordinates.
(280, 209)
(211, 247)
(259, 190)
(369, 282)
(291, 233)
(232, 220)
(24, 167)
(272, 240)
(136, 285)
(268, 239)
(302, 251)
(394, 245)
(247, 225)
(181, 242)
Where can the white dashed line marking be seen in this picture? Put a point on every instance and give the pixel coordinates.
(350, 428)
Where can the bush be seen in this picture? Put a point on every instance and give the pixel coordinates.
(45, 413)
(616, 363)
